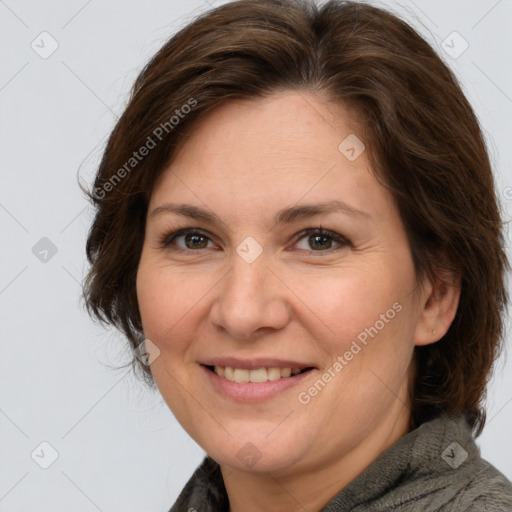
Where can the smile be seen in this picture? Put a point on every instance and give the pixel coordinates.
(255, 384)
(256, 375)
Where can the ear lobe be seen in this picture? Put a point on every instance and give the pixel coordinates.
(439, 306)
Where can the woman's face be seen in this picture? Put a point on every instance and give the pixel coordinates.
(253, 289)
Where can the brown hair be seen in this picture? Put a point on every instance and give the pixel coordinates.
(424, 143)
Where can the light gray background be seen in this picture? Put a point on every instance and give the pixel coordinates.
(119, 448)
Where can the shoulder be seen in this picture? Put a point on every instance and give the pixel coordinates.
(442, 471)
(488, 490)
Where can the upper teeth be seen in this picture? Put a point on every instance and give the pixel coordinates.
(259, 375)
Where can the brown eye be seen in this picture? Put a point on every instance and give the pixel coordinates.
(195, 241)
(321, 240)
(192, 239)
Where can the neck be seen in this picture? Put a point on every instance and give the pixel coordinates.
(311, 489)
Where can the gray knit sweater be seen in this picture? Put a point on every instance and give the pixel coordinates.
(435, 468)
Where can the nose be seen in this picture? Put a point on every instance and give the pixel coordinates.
(251, 300)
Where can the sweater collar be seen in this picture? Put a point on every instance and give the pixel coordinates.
(434, 449)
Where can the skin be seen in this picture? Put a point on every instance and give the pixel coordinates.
(245, 161)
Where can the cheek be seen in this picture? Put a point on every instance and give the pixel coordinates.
(347, 302)
(162, 300)
(368, 348)
(172, 303)
(364, 317)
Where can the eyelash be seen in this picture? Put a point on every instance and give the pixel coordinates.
(169, 238)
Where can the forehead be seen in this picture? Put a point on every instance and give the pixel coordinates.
(288, 148)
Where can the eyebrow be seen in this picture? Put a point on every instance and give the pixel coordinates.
(284, 216)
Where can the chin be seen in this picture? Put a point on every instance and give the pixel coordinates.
(256, 454)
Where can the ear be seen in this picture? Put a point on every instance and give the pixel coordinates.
(438, 306)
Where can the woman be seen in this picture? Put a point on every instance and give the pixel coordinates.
(296, 228)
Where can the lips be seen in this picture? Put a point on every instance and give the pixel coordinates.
(242, 390)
